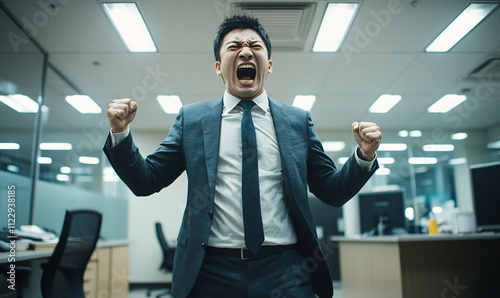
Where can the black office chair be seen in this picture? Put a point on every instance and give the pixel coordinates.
(63, 275)
(168, 257)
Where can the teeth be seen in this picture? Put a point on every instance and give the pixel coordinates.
(246, 81)
(246, 66)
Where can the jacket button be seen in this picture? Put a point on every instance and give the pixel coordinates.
(203, 244)
(210, 215)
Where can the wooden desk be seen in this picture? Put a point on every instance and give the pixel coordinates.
(420, 266)
(106, 274)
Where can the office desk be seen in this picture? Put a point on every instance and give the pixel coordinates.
(106, 274)
(420, 266)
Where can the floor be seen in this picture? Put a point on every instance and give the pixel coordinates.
(141, 293)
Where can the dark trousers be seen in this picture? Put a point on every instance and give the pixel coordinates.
(276, 276)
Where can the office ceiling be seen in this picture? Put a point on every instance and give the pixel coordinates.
(382, 53)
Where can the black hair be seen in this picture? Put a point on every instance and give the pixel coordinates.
(240, 22)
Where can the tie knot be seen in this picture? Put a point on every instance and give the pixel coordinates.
(246, 104)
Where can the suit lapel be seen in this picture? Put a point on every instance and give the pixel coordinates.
(211, 123)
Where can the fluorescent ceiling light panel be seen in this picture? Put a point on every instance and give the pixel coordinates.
(13, 168)
(44, 160)
(457, 161)
(333, 146)
(20, 103)
(384, 103)
(128, 21)
(83, 104)
(9, 146)
(88, 160)
(334, 26)
(56, 146)
(62, 177)
(171, 104)
(493, 145)
(304, 102)
(422, 160)
(460, 26)
(446, 103)
(342, 160)
(438, 147)
(403, 133)
(392, 147)
(459, 136)
(415, 133)
(65, 170)
(385, 160)
(382, 171)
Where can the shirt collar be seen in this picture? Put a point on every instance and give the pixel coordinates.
(230, 102)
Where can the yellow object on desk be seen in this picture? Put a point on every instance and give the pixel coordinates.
(433, 227)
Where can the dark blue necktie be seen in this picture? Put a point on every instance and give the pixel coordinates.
(252, 218)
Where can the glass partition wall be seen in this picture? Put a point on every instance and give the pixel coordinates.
(21, 76)
(52, 163)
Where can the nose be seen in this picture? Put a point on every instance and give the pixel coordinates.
(246, 53)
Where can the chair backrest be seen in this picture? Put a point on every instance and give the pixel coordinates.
(63, 274)
(168, 252)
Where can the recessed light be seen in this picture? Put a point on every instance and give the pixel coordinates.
(55, 146)
(384, 103)
(334, 26)
(44, 160)
(333, 146)
(415, 134)
(446, 103)
(304, 102)
(403, 133)
(9, 146)
(422, 160)
(89, 160)
(20, 103)
(459, 136)
(171, 104)
(130, 25)
(438, 147)
(83, 104)
(392, 147)
(460, 26)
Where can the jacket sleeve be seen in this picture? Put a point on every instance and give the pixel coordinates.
(145, 176)
(331, 185)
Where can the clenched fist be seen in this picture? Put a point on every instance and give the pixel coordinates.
(368, 136)
(120, 113)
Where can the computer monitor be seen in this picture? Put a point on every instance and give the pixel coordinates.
(382, 212)
(486, 195)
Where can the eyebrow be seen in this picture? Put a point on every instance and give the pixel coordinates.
(239, 42)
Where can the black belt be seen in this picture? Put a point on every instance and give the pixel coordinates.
(245, 254)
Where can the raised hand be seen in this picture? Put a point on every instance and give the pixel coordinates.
(120, 113)
(368, 136)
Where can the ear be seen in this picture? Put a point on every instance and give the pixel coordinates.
(217, 68)
(270, 66)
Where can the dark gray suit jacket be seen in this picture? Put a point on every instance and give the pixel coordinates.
(192, 145)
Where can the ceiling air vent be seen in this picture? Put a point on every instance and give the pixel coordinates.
(286, 23)
(488, 70)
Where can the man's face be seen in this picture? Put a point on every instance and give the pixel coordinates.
(244, 63)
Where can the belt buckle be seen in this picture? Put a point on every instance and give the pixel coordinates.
(242, 255)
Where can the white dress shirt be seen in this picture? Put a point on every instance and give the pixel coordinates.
(227, 227)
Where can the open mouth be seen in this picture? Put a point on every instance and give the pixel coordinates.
(246, 73)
